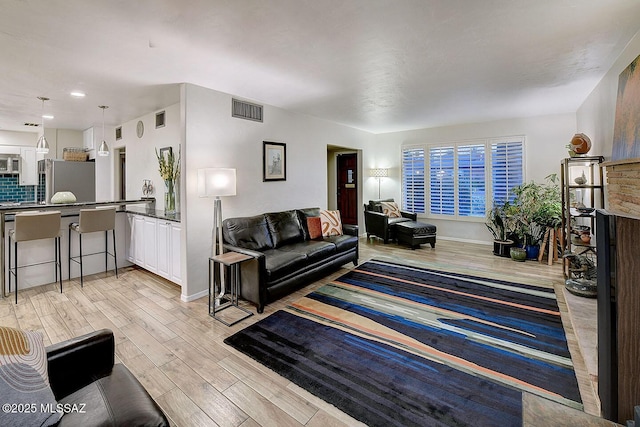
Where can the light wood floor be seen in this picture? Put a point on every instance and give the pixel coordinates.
(175, 349)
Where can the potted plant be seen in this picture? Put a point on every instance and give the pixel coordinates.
(536, 208)
(500, 224)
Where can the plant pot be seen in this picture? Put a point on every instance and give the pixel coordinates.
(532, 251)
(501, 247)
(518, 254)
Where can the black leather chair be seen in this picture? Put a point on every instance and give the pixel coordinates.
(82, 372)
(380, 225)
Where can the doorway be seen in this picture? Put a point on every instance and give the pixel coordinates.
(122, 174)
(347, 187)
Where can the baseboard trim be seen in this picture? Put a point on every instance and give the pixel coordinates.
(193, 297)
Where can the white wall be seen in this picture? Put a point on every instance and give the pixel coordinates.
(596, 115)
(546, 137)
(215, 139)
(58, 139)
(140, 152)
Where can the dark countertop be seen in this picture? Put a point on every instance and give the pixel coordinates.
(150, 211)
(71, 209)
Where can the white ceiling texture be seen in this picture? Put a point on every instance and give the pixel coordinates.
(376, 65)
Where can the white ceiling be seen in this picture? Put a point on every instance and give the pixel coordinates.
(375, 65)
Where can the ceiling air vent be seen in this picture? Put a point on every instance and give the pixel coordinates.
(246, 110)
(35, 125)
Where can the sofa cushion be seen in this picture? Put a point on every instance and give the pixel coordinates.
(343, 243)
(280, 263)
(284, 227)
(248, 232)
(375, 205)
(331, 223)
(397, 220)
(313, 250)
(24, 379)
(115, 400)
(303, 214)
(314, 227)
(390, 209)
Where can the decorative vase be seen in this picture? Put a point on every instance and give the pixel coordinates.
(518, 254)
(501, 247)
(532, 251)
(580, 143)
(169, 197)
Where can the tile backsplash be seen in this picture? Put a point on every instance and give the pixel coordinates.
(10, 191)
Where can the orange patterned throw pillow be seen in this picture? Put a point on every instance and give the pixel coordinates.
(314, 224)
(390, 209)
(331, 223)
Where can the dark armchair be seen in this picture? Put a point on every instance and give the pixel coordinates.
(83, 377)
(379, 224)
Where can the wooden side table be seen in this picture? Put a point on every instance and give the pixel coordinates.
(232, 261)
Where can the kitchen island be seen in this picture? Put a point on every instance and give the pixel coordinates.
(70, 211)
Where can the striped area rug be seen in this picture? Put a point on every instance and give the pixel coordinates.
(398, 345)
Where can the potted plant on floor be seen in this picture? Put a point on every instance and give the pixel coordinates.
(500, 224)
(537, 207)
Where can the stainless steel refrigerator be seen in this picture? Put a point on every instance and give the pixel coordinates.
(62, 175)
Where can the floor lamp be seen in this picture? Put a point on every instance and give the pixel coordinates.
(379, 173)
(217, 182)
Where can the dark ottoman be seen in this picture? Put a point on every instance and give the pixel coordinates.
(414, 233)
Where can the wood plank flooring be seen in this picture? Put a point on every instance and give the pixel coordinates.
(176, 351)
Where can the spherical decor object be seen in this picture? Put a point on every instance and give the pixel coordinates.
(580, 143)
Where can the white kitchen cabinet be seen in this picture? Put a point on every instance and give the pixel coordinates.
(150, 245)
(163, 237)
(155, 246)
(28, 167)
(138, 233)
(175, 251)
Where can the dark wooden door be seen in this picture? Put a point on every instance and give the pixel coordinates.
(348, 188)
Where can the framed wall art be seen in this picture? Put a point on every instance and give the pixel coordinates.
(626, 133)
(274, 161)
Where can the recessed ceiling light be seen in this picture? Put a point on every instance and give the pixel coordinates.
(78, 94)
(47, 116)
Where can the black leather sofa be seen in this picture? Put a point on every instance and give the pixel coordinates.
(284, 256)
(379, 224)
(82, 373)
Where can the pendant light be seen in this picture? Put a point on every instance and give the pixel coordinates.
(103, 150)
(42, 146)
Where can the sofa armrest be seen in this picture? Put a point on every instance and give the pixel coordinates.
(412, 216)
(77, 362)
(377, 223)
(350, 229)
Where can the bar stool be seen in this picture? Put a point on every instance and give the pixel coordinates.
(35, 226)
(92, 220)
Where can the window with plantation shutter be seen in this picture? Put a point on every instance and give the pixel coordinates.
(413, 184)
(441, 181)
(464, 179)
(471, 180)
(507, 168)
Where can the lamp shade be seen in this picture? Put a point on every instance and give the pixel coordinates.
(379, 172)
(213, 182)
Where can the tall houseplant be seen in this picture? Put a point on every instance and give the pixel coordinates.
(500, 223)
(537, 207)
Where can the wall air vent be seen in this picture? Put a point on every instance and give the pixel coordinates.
(160, 119)
(246, 110)
(118, 133)
(35, 125)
